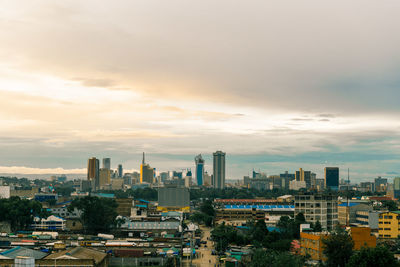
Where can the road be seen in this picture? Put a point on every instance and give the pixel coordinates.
(205, 258)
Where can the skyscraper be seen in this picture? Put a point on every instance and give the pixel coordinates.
(105, 177)
(396, 185)
(302, 175)
(332, 178)
(146, 172)
(120, 171)
(107, 163)
(199, 169)
(219, 170)
(93, 174)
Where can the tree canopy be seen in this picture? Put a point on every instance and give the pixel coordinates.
(99, 214)
(21, 212)
(338, 247)
(377, 257)
(272, 258)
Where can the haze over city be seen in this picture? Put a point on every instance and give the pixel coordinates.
(276, 86)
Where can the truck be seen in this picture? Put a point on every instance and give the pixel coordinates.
(106, 237)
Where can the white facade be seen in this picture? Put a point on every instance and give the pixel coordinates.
(5, 192)
(297, 185)
(318, 207)
(51, 223)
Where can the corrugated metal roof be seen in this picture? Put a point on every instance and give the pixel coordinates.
(351, 204)
(26, 252)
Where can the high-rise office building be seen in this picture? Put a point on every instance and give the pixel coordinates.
(199, 169)
(332, 178)
(302, 175)
(219, 170)
(146, 172)
(93, 172)
(107, 163)
(380, 184)
(396, 185)
(287, 177)
(104, 177)
(120, 171)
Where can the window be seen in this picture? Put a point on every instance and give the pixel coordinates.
(379, 223)
(390, 217)
(387, 229)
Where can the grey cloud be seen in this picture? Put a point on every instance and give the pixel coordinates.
(261, 54)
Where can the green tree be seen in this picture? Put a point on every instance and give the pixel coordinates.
(21, 212)
(338, 248)
(99, 214)
(207, 208)
(272, 258)
(390, 205)
(377, 257)
(317, 227)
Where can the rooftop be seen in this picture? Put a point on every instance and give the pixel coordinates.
(245, 200)
(79, 253)
(21, 251)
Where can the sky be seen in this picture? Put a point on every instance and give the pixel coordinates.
(277, 85)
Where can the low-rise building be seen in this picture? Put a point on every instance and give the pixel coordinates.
(50, 223)
(238, 216)
(389, 223)
(124, 206)
(362, 237)
(368, 218)
(78, 256)
(312, 243)
(5, 191)
(347, 211)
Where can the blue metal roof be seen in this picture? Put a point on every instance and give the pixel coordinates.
(261, 207)
(351, 204)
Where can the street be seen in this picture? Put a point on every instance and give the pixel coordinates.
(205, 258)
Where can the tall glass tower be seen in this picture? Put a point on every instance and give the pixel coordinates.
(199, 169)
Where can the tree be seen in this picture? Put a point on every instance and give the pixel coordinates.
(270, 258)
(99, 214)
(21, 212)
(317, 227)
(390, 205)
(338, 247)
(207, 208)
(377, 257)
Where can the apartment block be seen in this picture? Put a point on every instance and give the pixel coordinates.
(318, 207)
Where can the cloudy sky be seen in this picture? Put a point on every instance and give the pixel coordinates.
(277, 85)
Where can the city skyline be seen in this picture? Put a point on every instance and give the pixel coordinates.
(276, 88)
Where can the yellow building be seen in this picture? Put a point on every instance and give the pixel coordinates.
(146, 172)
(311, 244)
(105, 177)
(362, 237)
(389, 223)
